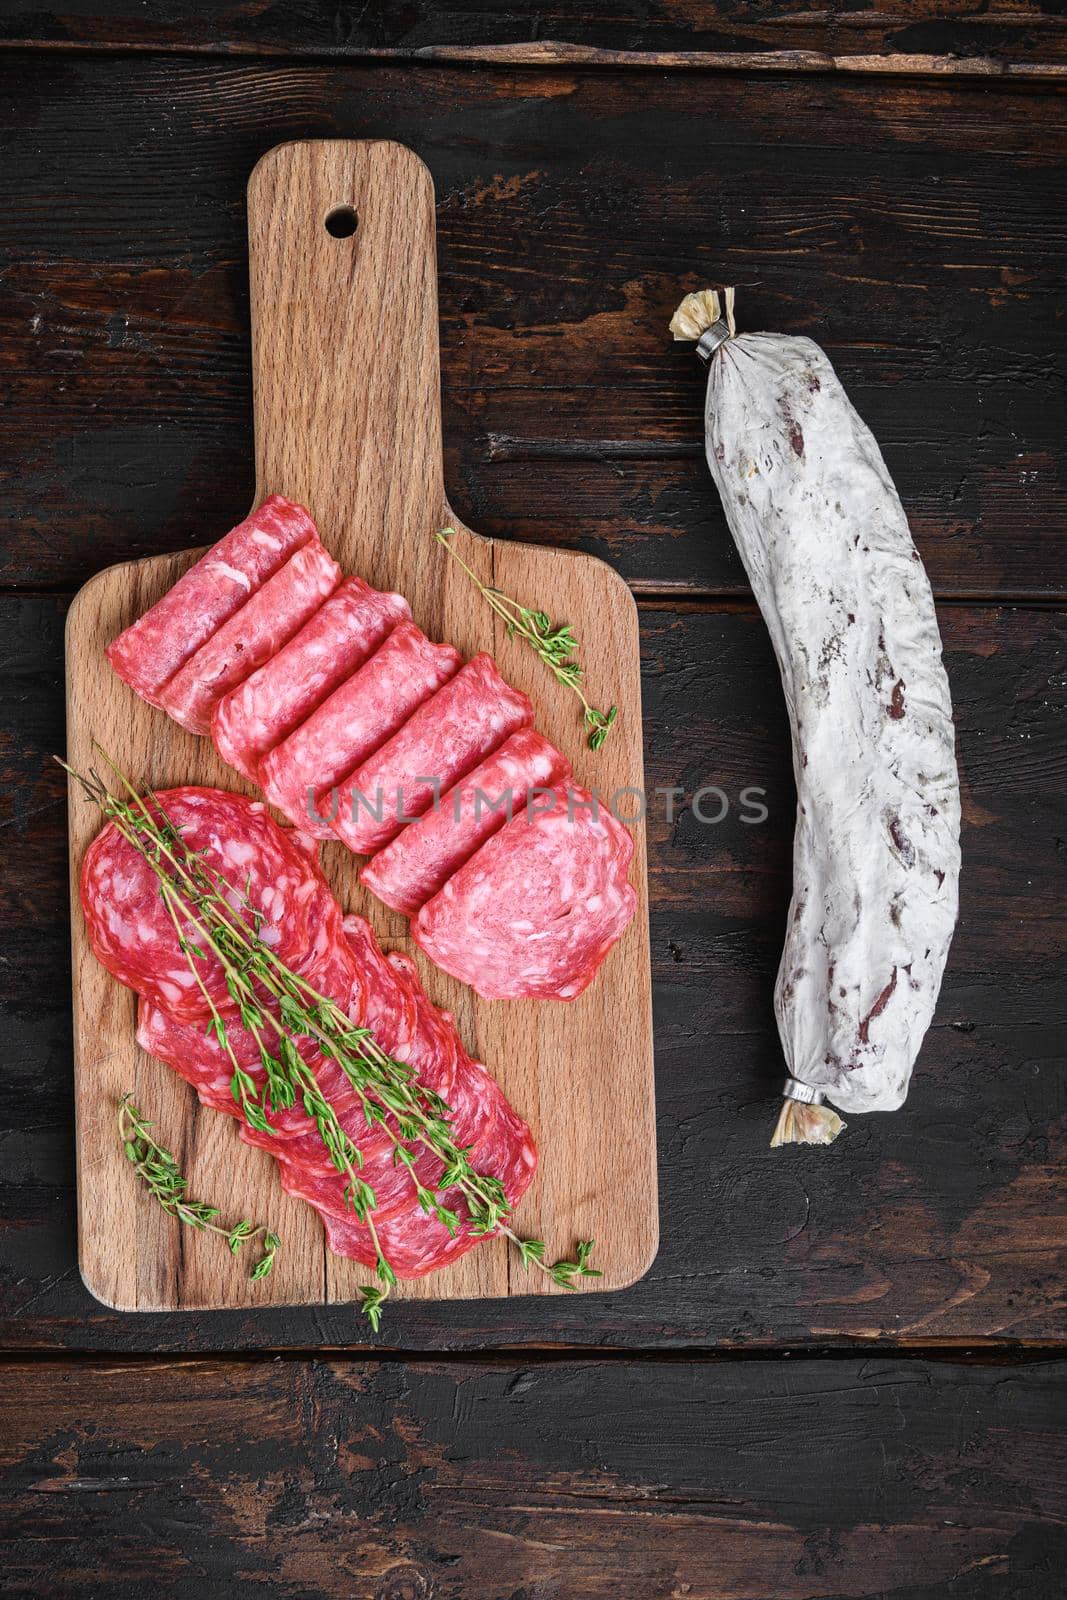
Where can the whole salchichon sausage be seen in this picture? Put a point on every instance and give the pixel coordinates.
(876, 856)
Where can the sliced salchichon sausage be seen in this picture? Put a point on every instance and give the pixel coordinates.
(343, 633)
(239, 840)
(355, 724)
(128, 923)
(254, 634)
(300, 773)
(448, 735)
(481, 1121)
(389, 1003)
(428, 1042)
(421, 859)
(537, 907)
(153, 648)
(199, 1058)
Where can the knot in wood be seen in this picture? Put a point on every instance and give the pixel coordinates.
(405, 1582)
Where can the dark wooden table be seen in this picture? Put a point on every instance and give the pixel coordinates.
(843, 1376)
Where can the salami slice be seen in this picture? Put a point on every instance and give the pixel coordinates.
(389, 1005)
(153, 648)
(421, 859)
(193, 1054)
(535, 910)
(250, 637)
(440, 742)
(481, 1120)
(132, 933)
(435, 1049)
(299, 774)
(430, 1044)
(309, 1173)
(348, 974)
(347, 629)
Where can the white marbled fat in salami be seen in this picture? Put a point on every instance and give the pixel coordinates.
(266, 622)
(280, 695)
(538, 906)
(448, 735)
(425, 855)
(358, 717)
(150, 652)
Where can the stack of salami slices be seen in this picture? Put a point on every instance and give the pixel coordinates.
(282, 892)
(357, 726)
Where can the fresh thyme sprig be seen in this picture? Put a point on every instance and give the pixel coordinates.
(199, 895)
(160, 1172)
(556, 645)
(564, 1273)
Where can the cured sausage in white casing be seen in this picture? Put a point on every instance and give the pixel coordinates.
(826, 546)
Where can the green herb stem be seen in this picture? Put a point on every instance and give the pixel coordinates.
(158, 1169)
(555, 644)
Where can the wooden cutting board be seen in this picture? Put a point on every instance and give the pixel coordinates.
(348, 421)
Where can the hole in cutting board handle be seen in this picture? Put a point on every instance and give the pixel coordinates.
(341, 222)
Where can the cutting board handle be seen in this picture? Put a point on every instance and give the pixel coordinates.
(345, 360)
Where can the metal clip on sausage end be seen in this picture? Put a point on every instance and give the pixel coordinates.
(793, 1089)
(715, 337)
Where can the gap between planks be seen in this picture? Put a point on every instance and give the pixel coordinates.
(971, 1354)
(549, 54)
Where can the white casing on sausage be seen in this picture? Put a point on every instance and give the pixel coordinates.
(826, 546)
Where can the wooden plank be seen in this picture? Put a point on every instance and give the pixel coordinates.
(347, 421)
(1006, 31)
(943, 1222)
(613, 1480)
(917, 233)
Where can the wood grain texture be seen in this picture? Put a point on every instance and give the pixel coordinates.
(942, 1222)
(1003, 32)
(606, 1480)
(916, 229)
(347, 421)
(916, 232)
